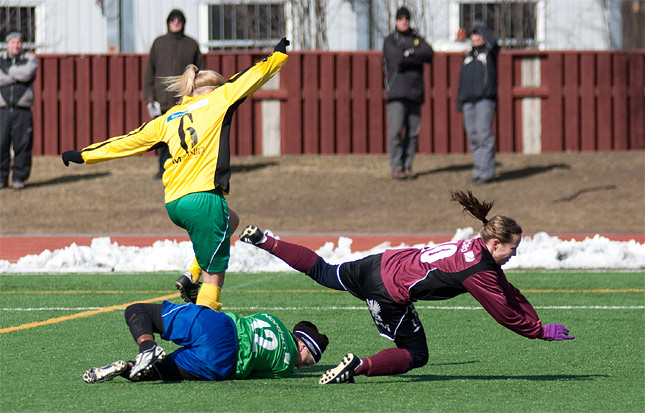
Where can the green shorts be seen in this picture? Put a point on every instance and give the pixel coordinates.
(205, 216)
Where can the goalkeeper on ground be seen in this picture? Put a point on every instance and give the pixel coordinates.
(214, 345)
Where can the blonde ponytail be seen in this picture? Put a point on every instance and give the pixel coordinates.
(191, 80)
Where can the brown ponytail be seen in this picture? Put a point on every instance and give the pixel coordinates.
(500, 227)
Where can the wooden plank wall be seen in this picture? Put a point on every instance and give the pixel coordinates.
(595, 101)
(333, 102)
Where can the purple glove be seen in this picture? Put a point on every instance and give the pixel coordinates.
(556, 332)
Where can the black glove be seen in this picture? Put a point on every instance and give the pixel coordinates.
(72, 156)
(282, 46)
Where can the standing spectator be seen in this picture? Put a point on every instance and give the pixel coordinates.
(17, 74)
(476, 98)
(169, 56)
(404, 53)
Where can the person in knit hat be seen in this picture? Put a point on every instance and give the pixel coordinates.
(17, 75)
(170, 54)
(405, 53)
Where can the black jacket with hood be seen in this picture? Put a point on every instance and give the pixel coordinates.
(478, 77)
(169, 56)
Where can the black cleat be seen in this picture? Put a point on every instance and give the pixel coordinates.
(253, 235)
(343, 373)
(187, 288)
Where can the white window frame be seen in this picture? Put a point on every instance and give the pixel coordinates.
(204, 26)
(39, 13)
(540, 18)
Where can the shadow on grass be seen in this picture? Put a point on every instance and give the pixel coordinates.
(250, 168)
(457, 363)
(537, 377)
(504, 176)
(529, 171)
(576, 194)
(68, 179)
(319, 369)
(451, 168)
(313, 371)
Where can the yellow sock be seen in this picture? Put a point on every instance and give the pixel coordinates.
(209, 296)
(195, 271)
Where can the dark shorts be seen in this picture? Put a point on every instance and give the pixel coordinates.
(397, 321)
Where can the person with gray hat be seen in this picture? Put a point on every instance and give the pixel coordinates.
(17, 75)
(215, 346)
(170, 54)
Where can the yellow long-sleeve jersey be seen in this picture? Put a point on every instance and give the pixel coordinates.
(196, 131)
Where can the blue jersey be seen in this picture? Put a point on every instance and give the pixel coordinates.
(208, 339)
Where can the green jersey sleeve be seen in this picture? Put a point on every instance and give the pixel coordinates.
(266, 347)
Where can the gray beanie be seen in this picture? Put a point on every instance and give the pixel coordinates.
(12, 35)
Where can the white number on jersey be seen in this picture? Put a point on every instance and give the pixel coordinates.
(440, 251)
(263, 336)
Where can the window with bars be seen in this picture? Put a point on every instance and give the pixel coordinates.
(513, 22)
(18, 19)
(250, 25)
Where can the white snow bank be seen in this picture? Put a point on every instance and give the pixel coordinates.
(536, 252)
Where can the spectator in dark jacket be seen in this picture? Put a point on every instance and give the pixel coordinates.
(404, 53)
(476, 97)
(170, 54)
(17, 74)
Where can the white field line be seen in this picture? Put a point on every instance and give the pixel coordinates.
(334, 308)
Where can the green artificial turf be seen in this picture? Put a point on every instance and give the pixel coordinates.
(475, 364)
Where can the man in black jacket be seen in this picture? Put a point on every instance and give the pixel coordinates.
(169, 56)
(404, 53)
(476, 97)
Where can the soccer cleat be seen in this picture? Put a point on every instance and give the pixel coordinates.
(101, 374)
(187, 288)
(253, 235)
(343, 373)
(145, 360)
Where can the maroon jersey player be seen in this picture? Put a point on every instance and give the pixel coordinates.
(392, 281)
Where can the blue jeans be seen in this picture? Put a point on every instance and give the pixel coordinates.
(478, 119)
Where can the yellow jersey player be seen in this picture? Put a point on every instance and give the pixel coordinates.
(196, 177)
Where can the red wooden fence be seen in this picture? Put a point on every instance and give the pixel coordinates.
(334, 102)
